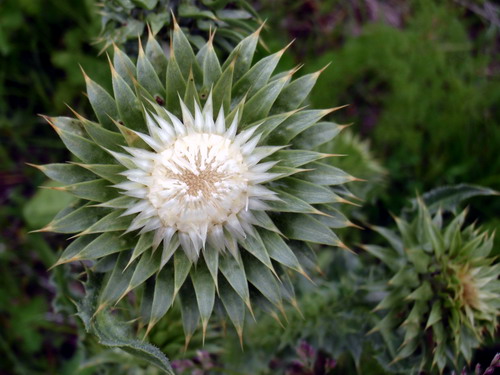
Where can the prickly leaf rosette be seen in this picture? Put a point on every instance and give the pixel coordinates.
(194, 182)
(445, 293)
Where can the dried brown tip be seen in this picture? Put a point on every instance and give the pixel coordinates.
(345, 247)
(39, 167)
(318, 73)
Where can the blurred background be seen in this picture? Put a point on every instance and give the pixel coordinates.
(422, 80)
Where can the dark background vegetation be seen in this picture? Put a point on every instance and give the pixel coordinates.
(422, 79)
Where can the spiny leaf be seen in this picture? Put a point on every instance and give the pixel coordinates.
(205, 292)
(102, 103)
(111, 333)
(65, 173)
(305, 228)
(95, 190)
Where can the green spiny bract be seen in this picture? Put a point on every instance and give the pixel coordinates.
(148, 174)
(124, 20)
(444, 294)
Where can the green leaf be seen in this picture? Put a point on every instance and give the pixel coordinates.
(124, 67)
(435, 314)
(290, 203)
(391, 237)
(263, 279)
(222, 90)
(305, 228)
(147, 77)
(147, 266)
(144, 243)
(211, 256)
(307, 191)
(189, 308)
(235, 275)
(110, 172)
(297, 158)
(233, 304)
(117, 281)
(176, 86)
(317, 135)
(103, 137)
(148, 4)
(211, 67)
(110, 223)
(112, 333)
(258, 106)
(388, 256)
(264, 221)
(129, 106)
(163, 294)
(242, 54)
(95, 190)
(65, 173)
(296, 124)
(81, 147)
(157, 57)
(102, 103)
(182, 265)
(279, 250)
(257, 77)
(294, 94)
(419, 258)
(205, 292)
(105, 244)
(324, 174)
(254, 245)
(448, 198)
(422, 293)
(44, 205)
(76, 219)
(183, 53)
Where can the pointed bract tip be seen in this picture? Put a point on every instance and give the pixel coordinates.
(353, 225)
(345, 201)
(345, 247)
(127, 291)
(239, 331)
(175, 24)
(64, 261)
(249, 306)
(318, 73)
(151, 324)
(186, 341)
(101, 307)
(282, 51)
(302, 272)
(85, 76)
(296, 307)
(330, 110)
(46, 228)
(277, 319)
(357, 179)
(39, 167)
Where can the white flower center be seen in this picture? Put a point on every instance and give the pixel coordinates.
(198, 180)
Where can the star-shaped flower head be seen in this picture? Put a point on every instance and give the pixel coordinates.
(196, 181)
(445, 292)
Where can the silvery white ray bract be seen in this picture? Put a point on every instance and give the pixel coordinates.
(200, 183)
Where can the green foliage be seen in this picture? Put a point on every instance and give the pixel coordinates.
(125, 20)
(425, 91)
(443, 290)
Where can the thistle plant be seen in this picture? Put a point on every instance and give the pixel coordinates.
(196, 183)
(444, 293)
(124, 20)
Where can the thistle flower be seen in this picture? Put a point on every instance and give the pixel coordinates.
(444, 295)
(197, 187)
